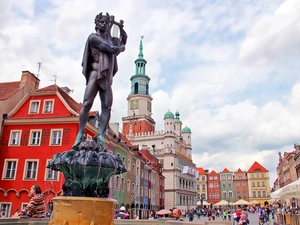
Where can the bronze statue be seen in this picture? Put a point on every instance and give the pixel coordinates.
(99, 66)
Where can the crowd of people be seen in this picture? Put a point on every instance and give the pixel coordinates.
(239, 215)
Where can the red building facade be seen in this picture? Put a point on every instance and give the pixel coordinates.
(44, 123)
(213, 187)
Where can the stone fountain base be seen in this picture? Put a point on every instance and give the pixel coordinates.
(83, 211)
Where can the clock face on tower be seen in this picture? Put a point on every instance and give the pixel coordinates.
(134, 104)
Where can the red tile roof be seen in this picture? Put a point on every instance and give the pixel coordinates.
(213, 172)
(151, 158)
(125, 139)
(7, 89)
(225, 171)
(239, 171)
(200, 170)
(256, 167)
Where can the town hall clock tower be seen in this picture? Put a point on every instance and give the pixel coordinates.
(139, 107)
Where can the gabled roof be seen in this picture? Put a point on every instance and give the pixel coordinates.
(256, 167)
(69, 100)
(200, 171)
(225, 171)
(212, 172)
(239, 171)
(7, 89)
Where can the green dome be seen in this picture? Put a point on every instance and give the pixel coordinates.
(169, 115)
(186, 130)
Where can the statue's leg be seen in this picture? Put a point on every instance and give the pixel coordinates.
(89, 96)
(106, 98)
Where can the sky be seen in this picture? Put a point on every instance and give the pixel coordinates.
(231, 68)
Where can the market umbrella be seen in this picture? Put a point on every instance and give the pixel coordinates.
(276, 194)
(291, 190)
(163, 212)
(254, 202)
(222, 202)
(241, 202)
(204, 203)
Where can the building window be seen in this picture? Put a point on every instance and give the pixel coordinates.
(211, 195)
(129, 165)
(217, 195)
(230, 194)
(15, 137)
(224, 185)
(211, 185)
(51, 174)
(229, 185)
(117, 181)
(254, 194)
(244, 194)
(30, 170)
(229, 177)
(122, 182)
(203, 177)
(263, 184)
(223, 177)
(128, 185)
(34, 107)
(244, 184)
(10, 169)
(264, 194)
(259, 194)
(224, 194)
(253, 184)
(35, 137)
(56, 136)
(5, 207)
(238, 194)
(216, 185)
(257, 175)
(210, 177)
(258, 184)
(215, 177)
(262, 175)
(198, 187)
(237, 184)
(252, 175)
(23, 205)
(48, 106)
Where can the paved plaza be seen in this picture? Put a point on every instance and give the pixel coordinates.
(252, 217)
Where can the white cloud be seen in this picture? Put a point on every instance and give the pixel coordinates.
(275, 36)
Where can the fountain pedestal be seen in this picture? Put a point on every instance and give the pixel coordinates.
(83, 211)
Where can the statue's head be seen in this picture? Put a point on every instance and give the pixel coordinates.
(102, 22)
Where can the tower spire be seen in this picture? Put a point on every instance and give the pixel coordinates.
(141, 55)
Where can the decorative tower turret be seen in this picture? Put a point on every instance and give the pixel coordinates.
(139, 105)
(177, 124)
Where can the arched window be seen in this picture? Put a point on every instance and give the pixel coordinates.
(136, 88)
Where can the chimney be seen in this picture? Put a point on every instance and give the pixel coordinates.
(29, 81)
(115, 127)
